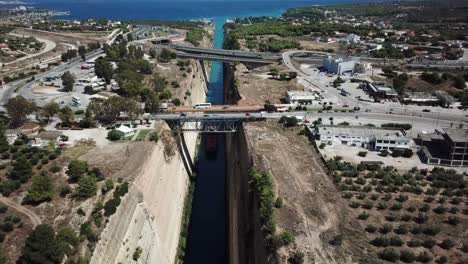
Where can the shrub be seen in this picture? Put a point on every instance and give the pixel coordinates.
(336, 240)
(429, 243)
(3, 209)
(76, 169)
(382, 206)
(362, 153)
(87, 187)
(442, 260)
(41, 190)
(396, 206)
(354, 204)
(440, 210)
(367, 205)
(447, 244)
(391, 218)
(279, 202)
(464, 248)
(54, 169)
(411, 209)
(414, 243)
(405, 218)
(371, 229)
(431, 231)
(396, 241)
(296, 258)
(424, 257)
(452, 220)
(401, 230)
(389, 254)
(114, 135)
(380, 242)
(283, 239)
(64, 190)
(386, 228)
(407, 256)
(363, 216)
(421, 218)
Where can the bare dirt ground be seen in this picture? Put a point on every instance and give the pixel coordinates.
(313, 209)
(256, 86)
(316, 45)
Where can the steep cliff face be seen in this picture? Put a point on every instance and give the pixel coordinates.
(245, 240)
(149, 217)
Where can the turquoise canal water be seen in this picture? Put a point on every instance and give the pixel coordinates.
(206, 242)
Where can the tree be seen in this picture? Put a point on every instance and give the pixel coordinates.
(41, 247)
(18, 108)
(82, 52)
(389, 254)
(459, 82)
(22, 170)
(137, 253)
(76, 169)
(68, 81)
(87, 187)
(152, 103)
(49, 110)
(67, 116)
(3, 139)
(166, 55)
(114, 135)
(103, 69)
(41, 190)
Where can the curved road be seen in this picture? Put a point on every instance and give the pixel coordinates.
(49, 45)
(406, 110)
(33, 217)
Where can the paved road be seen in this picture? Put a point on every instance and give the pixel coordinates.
(9, 90)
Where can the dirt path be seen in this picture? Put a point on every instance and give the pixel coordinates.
(49, 45)
(33, 217)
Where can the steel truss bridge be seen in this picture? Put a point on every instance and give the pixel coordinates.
(203, 125)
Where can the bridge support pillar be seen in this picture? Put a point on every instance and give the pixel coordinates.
(205, 75)
(185, 154)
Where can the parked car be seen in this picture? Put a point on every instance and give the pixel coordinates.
(426, 110)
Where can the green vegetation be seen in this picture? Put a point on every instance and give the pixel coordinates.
(87, 186)
(76, 169)
(41, 190)
(68, 81)
(185, 220)
(284, 29)
(18, 108)
(114, 135)
(44, 246)
(194, 36)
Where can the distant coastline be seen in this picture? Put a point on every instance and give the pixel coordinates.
(13, 3)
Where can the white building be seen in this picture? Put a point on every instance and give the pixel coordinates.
(126, 131)
(339, 65)
(300, 97)
(365, 137)
(353, 38)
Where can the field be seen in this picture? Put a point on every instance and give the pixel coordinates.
(415, 215)
(312, 210)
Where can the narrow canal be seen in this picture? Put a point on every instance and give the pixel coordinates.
(206, 242)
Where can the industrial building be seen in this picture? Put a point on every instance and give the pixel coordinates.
(447, 147)
(300, 97)
(339, 65)
(380, 91)
(366, 137)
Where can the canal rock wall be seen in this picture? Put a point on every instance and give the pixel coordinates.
(150, 215)
(245, 239)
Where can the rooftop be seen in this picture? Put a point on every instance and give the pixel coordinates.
(457, 135)
(363, 132)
